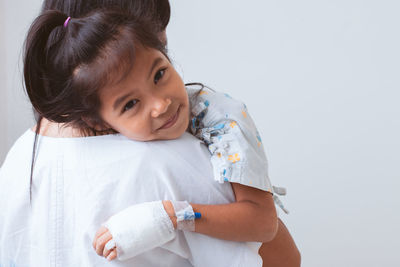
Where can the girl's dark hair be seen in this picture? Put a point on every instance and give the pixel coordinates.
(64, 74)
(156, 10)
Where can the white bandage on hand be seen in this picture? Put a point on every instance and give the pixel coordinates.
(185, 216)
(110, 244)
(140, 228)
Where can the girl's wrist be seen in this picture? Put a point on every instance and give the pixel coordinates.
(170, 211)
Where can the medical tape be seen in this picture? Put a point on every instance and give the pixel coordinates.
(185, 216)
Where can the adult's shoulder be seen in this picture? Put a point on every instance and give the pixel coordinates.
(20, 151)
(187, 148)
(103, 149)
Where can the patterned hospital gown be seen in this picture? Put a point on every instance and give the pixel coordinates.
(237, 153)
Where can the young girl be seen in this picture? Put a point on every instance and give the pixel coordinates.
(118, 68)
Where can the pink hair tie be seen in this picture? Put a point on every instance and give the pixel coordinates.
(66, 22)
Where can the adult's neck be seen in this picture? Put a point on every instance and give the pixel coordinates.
(52, 129)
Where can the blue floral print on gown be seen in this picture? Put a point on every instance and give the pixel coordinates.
(237, 153)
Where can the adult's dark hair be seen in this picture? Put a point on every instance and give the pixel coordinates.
(64, 74)
(156, 10)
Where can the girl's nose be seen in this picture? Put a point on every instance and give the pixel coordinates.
(160, 106)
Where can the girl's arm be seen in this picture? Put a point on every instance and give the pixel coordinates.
(251, 218)
(225, 126)
(217, 221)
(281, 251)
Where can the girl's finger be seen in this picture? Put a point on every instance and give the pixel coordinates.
(99, 232)
(107, 250)
(101, 242)
(112, 255)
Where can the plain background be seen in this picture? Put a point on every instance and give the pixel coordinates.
(321, 80)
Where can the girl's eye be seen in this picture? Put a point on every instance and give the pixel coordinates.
(130, 105)
(159, 75)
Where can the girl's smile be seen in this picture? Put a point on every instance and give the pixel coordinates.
(171, 121)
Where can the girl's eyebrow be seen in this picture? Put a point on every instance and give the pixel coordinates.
(121, 99)
(155, 63)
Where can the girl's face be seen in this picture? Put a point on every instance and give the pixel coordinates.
(150, 103)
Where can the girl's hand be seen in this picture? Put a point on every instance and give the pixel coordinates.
(100, 240)
(134, 230)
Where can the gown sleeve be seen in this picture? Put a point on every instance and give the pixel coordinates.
(225, 126)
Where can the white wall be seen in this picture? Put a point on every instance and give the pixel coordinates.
(321, 80)
(3, 84)
(15, 112)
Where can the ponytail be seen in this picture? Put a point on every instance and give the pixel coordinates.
(37, 61)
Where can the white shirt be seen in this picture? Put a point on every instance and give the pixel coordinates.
(79, 183)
